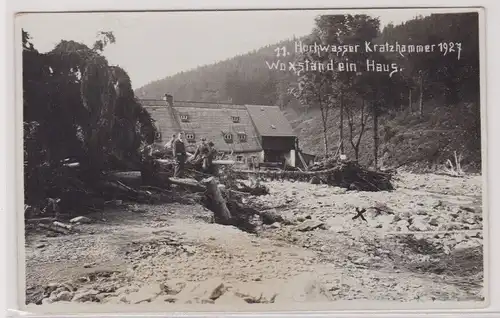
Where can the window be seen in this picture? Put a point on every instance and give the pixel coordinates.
(235, 119)
(184, 117)
(239, 158)
(242, 136)
(190, 137)
(158, 136)
(228, 137)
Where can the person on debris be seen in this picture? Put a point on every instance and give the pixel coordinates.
(209, 158)
(148, 164)
(179, 152)
(201, 153)
(170, 143)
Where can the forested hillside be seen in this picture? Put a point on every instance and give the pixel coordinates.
(428, 109)
(241, 79)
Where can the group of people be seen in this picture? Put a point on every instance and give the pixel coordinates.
(203, 156)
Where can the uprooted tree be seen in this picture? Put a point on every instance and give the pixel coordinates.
(77, 107)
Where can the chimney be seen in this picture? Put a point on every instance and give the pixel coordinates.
(169, 99)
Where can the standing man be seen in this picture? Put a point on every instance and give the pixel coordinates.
(179, 151)
(170, 144)
(208, 161)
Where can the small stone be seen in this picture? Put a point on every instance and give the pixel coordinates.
(434, 222)
(40, 245)
(396, 219)
(421, 212)
(275, 225)
(405, 215)
(315, 180)
(189, 249)
(46, 301)
(468, 209)
(88, 265)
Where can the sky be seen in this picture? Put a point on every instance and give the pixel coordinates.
(153, 45)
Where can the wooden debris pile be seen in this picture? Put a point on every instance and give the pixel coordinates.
(349, 175)
(352, 176)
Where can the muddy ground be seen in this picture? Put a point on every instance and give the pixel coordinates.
(173, 253)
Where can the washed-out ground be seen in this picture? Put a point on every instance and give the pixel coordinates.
(174, 253)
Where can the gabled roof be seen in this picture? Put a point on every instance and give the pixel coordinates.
(212, 121)
(270, 121)
(209, 120)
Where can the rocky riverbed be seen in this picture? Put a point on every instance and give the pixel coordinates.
(421, 242)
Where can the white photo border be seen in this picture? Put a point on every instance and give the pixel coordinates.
(12, 152)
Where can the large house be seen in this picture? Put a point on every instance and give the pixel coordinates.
(246, 132)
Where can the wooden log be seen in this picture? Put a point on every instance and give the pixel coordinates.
(434, 232)
(47, 227)
(64, 226)
(221, 212)
(40, 220)
(188, 183)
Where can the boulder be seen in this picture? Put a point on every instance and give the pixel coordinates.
(202, 291)
(173, 287)
(144, 294)
(302, 288)
(309, 225)
(472, 243)
(256, 292)
(419, 224)
(61, 296)
(87, 295)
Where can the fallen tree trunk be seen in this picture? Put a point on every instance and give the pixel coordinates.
(40, 220)
(221, 212)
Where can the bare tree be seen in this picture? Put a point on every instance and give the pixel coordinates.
(315, 90)
(356, 115)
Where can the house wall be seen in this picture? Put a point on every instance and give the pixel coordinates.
(284, 144)
(290, 158)
(247, 157)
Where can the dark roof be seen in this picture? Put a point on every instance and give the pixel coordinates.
(270, 121)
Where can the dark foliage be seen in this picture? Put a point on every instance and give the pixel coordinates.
(77, 108)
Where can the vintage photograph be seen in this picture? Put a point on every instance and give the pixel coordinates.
(247, 158)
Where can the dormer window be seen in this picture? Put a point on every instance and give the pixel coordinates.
(228, 137)
(158, 136)
(235, 119)
(242, 136)
(190, 137)
(184, 118)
